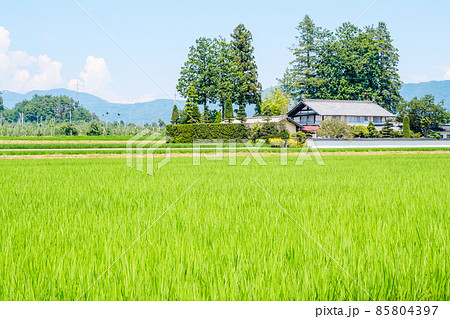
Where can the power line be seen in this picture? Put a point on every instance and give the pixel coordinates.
(364, 13)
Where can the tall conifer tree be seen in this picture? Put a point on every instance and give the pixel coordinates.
(191, 106)
(175, 115)
(247, 86)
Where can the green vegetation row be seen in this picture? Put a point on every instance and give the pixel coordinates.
(383, 219)
(112, 145)
(65, 138)
(73, 129)
(213, 150)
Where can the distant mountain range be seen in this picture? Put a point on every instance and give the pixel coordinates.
(138, 113)
(148, 112)
(440, 89)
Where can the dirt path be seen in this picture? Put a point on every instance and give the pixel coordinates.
(74, 156)
(60, 142)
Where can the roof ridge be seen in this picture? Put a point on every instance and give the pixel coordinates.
(328, 100)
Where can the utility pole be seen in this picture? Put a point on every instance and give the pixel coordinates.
(78, 99)
(21, 117)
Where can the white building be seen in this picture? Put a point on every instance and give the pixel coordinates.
(446, 131)
(312, 112)
(283, 119)
(308, 114)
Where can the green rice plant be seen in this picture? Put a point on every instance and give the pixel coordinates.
(217, 232)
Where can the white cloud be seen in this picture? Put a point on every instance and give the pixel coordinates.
(418, 79)
(4, 40)
(94, 79)
(132, 100)
(21, 72)
(447, 75)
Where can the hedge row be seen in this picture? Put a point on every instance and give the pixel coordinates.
(187, 133)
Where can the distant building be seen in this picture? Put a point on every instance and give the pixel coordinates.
(310, 113)
(283, 119)
(445, 131)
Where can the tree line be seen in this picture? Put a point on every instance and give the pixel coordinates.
(222, 72)
(347, 64)
(47, 108)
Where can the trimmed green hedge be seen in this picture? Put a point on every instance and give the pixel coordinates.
(187, 133)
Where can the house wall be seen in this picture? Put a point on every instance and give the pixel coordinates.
(292, 129)
(362, 120)
(351, 120)
(445, 134)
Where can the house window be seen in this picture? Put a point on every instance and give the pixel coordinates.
(377, 119)
(358, 119)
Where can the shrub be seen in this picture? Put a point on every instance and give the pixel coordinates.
(435, 135)
(360, 131)
(300, 136)
(268, 130)
(278, 142)
(68, 129)
(334, 128)
(187, 133)
(396, 134)
(387, 129)
(94, 129)
(373, 132)
(406, 129)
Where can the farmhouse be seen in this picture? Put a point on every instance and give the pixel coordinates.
(308, 114)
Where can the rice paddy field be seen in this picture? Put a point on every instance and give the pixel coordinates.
(357, 228)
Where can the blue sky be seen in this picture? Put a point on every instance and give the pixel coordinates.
(51, 44)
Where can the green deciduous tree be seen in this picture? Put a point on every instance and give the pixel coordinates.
(68, 129)
(276, 102)
(418, 110)
(94, 129)
(2, 107)
(47, 107)
(334, 128)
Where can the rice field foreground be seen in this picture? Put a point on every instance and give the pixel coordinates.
(219, 232)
